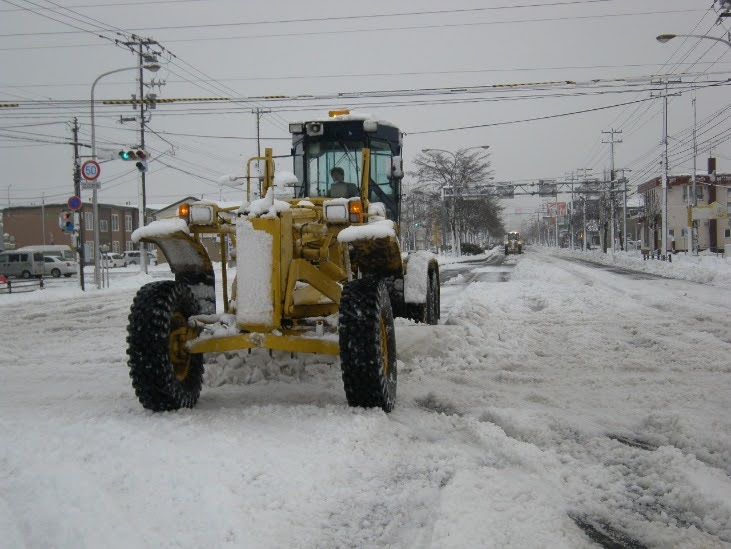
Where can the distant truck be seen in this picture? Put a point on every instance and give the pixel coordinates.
(61, 251)
(513, 244)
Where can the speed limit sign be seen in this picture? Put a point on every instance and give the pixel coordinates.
(90, 170)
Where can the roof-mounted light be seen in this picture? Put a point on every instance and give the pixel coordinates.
(341, 112)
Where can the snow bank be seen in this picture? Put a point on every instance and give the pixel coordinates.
(705, 268)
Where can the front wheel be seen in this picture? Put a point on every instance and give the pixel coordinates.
(55, 273)
(26, 275)
(164, 375)
(368, 344)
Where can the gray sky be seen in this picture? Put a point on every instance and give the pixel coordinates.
(224, 48)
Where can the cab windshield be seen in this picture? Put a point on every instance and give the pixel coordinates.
(323, 156)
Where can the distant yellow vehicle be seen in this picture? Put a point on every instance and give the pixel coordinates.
(513, 244)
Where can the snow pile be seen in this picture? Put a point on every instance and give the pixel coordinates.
(705, 268)
(161, 227)
(416, 281)
(371, 231)
(266, 207)
(254, 274)
(257, 366)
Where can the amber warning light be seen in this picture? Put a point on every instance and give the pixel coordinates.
(183, 211)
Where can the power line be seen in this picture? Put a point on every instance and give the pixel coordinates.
(332, 18)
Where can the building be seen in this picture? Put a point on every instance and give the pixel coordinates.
(33, 225)
(712, 234)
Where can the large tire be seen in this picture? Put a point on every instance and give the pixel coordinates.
(164, 375)
(506, 250)
(368, 344)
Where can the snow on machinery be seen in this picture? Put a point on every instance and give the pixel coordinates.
(314, 273)
(513, 243)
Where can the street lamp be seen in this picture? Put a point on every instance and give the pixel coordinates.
(663, 38)
(456, 248)
(95, 205)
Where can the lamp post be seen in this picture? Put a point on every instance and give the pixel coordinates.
(95, 204)
(456, 248)
(663, 38)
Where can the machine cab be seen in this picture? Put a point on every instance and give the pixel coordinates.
(328, 159)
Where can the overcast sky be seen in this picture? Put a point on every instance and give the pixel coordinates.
(427, 50)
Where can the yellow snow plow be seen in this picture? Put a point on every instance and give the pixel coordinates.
(319, 269)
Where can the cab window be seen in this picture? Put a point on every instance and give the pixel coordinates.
(323, 156)
(381, 189)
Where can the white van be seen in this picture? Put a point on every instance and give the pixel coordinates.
(59, 250)
(22, 264)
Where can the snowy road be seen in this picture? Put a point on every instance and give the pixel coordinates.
(558, 405)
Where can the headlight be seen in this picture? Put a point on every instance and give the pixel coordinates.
(201, 214)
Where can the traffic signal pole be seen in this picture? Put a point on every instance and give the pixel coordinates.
(77, 192)
(143, 252)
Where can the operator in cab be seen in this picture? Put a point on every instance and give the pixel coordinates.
(339, 188)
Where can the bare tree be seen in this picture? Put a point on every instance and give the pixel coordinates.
(440, 186)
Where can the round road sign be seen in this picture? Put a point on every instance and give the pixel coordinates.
(90, 170)
(74, 203)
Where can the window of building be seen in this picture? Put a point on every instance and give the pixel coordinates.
(727, 233)
(129, 246)
(671, 232)
(128, 223)
(150, 219)
(89, 250)
(698, 192)
(115, 246)
(88, 221)
(115, 222)
(103, 226)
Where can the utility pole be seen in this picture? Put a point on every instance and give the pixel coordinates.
(693, 200)
(77, 192)
(585, 175)
(259, 112)
(612, 177)
(665, 173)
(136, 45)
(571, 211)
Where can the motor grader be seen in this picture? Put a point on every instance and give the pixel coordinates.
(315, 273)
(513, 243)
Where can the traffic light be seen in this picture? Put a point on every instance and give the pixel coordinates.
(138, 156)
(66, 221)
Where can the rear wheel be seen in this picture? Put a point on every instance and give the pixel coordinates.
(368, 344)
(164, 375)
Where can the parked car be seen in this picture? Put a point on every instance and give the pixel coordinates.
(59, 250)
(113, 260)
(133, 258)
(55, 266)
(21, 264)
